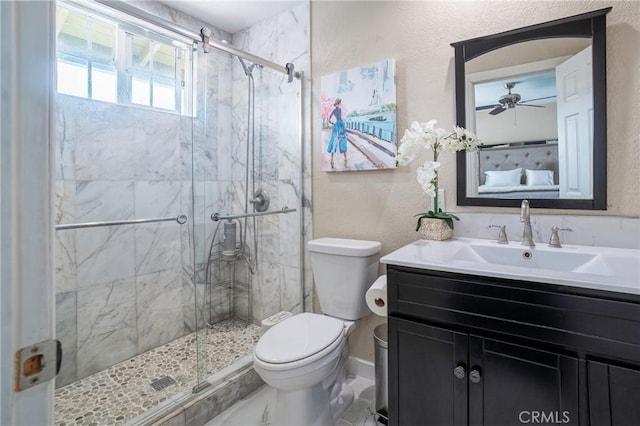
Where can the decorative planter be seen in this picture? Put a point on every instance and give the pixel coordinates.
(435, 229)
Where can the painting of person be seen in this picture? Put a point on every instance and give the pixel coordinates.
(338, 140)
(358, 118)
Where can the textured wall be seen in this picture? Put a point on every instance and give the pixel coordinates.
(380, 204)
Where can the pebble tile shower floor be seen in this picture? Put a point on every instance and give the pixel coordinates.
(123, 391)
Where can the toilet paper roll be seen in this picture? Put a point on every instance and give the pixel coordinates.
(376, 296)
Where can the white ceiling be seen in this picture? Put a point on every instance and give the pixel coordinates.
(232, 15)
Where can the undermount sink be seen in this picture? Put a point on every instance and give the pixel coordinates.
(603, 268)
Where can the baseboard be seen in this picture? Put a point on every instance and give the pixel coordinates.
(361, 368)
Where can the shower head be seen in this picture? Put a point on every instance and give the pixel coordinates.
(248, 69)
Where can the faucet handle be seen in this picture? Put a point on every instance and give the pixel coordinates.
(525, 215)
(554, 241)
(502, 236)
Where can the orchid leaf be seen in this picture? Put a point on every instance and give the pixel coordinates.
(449, 222)
(447, 217)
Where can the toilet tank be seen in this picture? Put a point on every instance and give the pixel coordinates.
(343, 270)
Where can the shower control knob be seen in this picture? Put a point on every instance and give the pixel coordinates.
(261, 200)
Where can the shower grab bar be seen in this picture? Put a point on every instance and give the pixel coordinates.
(217, 216)
(181, 219)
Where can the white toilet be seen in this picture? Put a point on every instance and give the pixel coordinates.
(304, 357)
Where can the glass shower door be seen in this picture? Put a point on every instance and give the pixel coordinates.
(124, 162)
(246, 139)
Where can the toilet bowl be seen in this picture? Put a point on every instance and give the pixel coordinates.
(304, 359)
(304, 356)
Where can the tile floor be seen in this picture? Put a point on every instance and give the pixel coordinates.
(123, 391)
(257, 408)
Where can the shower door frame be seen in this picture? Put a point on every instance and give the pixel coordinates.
(27, 303)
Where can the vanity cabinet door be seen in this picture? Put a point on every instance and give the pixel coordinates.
(614, 394)
(514, 385)
(430, 363)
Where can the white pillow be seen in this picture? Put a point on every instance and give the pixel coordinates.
(503, 177)
(539, 177)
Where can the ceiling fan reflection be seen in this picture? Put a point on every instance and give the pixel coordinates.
(510, 100)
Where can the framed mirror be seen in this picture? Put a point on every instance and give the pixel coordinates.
(536, 97)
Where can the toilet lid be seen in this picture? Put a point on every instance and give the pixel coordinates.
(298, 337)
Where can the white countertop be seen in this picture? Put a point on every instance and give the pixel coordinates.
(601, 268)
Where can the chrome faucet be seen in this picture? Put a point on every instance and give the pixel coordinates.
(554, 240)
(525, 217)
(502, 236)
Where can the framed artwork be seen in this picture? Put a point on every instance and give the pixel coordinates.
(359, 118)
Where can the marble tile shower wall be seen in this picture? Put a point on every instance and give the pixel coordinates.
(123, 290)
(211, 130)
(211, 127)
(282, 38)
(117, 286)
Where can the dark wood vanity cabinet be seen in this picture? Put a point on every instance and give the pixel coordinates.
(481, 351)
(451, 378)
(614, 394)
(425, 359)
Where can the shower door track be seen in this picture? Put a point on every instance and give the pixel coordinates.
(197, 37)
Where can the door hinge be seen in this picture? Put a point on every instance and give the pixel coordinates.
(37, 364)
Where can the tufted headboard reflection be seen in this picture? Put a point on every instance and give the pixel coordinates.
(530, 155)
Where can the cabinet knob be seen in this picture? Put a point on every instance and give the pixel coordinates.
(459, 371)
(474, 376)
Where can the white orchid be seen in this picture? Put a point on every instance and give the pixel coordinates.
(421, 136)
(466, 140)
(417, 138)
(426, 176)
(410, 148)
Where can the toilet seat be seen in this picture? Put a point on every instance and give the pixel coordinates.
(300, 339)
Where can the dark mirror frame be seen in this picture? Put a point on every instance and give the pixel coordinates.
(589, 25)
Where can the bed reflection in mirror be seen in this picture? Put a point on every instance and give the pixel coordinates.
(531, 104)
